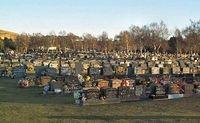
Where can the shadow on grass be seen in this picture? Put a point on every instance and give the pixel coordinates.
(93, 117)
(11, 93)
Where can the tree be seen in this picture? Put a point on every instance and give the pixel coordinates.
(192, 36)
(179, 41)
(1, 45)
(157, 34)
(39, 41)
(172, 45)
(9, 44)
(137, 37)
(52, 36)
(105, 43)
(90, 41)
(125, 40)
(61, 38)
(151, 37)
(22, 42)
(71, 40)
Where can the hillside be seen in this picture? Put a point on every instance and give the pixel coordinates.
(7, 34)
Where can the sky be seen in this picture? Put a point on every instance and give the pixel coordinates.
(94, 16)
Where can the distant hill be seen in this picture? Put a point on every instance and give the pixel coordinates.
(8, 34)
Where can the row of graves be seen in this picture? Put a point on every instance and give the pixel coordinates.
(98, 69)
(12, 69)
(52, 83)
(116, 90)
(41, 73)
(92, 90)
(118, 81)
(19, 68)
(132, 68)
(111, 81)
(148, 65)
(166, 67)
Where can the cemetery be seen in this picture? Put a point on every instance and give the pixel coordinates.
(98, 80)
(106, 61)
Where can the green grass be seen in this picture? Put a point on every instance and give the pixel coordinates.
(28, 106)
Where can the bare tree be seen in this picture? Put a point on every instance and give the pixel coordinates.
(125, 40)
(192, 36)
(137, 37)
(103, 41)
(90, 41)
(22, 42)
(72, 38)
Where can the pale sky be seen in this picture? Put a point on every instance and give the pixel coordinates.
(93, 16)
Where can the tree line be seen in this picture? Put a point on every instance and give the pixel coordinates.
(153, 37)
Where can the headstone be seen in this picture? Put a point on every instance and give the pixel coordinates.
(182, 64)
(65, 71)
(78, 68)
(168, 62)
(94, 71)
(160, 65)
(124, 92)
(103, 83)
(111, 93)
(150, 64)
(166, 70)
(18, 72)
(107, 70)
(130, 71)
(155, 70)
(91, 93)
(44, 80)
(139, 70)
(37, 63)
(191, 65)
(186, 70)
(176, 70)
(125, 83)
(54, 64)
(175, 89)
(138, 90)
(194, 70)
(108, 92)
(46, 63)
(72, 63)
(188, 89)
(120, 70)
(55, 85)
(116, 83)
(143, 65)
(160, 90)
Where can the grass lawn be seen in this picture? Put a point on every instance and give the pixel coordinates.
(28, 106)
